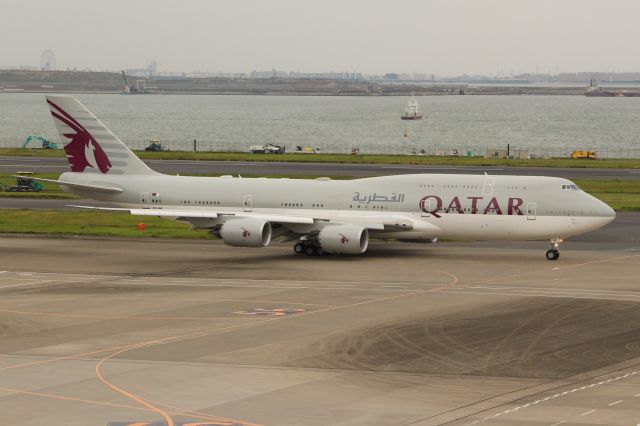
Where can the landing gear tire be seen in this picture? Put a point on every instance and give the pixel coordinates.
(310, 247)
(553, 254)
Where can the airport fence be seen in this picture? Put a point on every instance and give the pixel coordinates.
(391, 148)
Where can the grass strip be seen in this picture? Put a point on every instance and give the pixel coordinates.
(112, 224)
(353, 159)
(53, 191)
(620, 194)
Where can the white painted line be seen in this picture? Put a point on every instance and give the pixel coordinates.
(559, 423)
(20, 285)
(274, 287)
(539, 401)
(488, 169)
(561, 289)
(67, 276)
(588, 412)
(2, 272)
(25, 160)
(549, 295)
(32, 165)
(638, 394)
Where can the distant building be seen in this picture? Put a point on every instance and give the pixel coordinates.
(153, 68)
(600, 77)
(268, 74)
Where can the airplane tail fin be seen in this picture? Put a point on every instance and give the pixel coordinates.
(90, 146)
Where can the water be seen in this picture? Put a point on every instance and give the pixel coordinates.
(545, 125)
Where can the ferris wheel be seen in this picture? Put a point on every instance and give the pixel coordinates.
(47, 61)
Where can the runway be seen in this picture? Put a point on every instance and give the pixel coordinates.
(121, 332)
(60, 165)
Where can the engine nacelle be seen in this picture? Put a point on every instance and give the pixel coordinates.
(349, 239)
(246, 233)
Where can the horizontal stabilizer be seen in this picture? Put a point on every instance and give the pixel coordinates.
(84, 186)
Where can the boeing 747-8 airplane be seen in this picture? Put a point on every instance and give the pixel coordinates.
(322, 215)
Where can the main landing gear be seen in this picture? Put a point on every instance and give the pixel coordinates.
(310, 247)
(553, 253)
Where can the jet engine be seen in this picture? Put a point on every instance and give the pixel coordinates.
(246, 233)
(349, 239)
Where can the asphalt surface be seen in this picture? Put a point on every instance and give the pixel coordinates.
(60, 165)
(120, 331)
(117, 332)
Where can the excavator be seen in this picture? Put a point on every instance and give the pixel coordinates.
(46, 144)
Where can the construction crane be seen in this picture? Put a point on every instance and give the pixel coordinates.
(140, 86)
(127, 88)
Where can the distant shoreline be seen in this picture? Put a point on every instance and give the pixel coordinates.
(112, 83)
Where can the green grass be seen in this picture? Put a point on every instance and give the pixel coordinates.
(621, 195)
(52, 190)
(113, 224)
(49, 190)
(353, 159)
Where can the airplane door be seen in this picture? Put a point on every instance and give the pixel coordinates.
(144, 200)
(531, 211)
(247, 203)
(487, 189)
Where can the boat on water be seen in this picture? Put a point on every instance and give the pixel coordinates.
(413, 110)
(595, 91)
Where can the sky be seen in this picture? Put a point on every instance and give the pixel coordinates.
(441, 37)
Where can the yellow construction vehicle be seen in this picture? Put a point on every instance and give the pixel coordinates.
(584, 154)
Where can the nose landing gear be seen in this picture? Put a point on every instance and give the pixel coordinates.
(553, 253)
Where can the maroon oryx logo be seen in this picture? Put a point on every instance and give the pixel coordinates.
(245, 232)
(83, 151)
(343, 239)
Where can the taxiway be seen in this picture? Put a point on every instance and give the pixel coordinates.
(121, 331)
(60, 165)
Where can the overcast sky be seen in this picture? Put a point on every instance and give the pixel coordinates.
(444, 37)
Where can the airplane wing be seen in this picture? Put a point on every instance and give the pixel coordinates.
(186, 214)
(380, 222)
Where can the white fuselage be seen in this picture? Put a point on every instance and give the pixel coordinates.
(423, 206)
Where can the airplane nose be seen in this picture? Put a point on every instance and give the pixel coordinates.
(608, 211)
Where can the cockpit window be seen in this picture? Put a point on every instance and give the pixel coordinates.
(571, 187)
